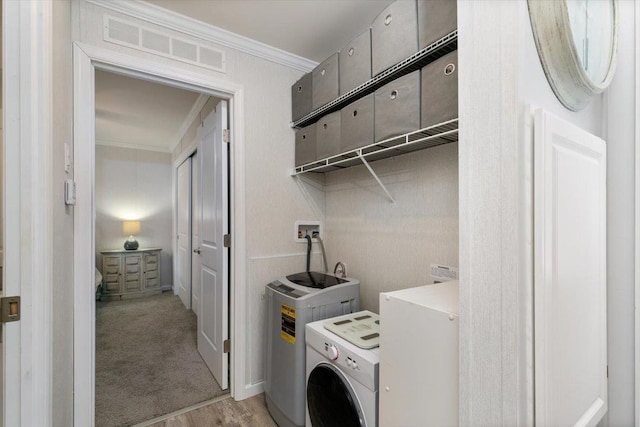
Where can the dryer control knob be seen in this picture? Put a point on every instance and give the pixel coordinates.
(333, 352)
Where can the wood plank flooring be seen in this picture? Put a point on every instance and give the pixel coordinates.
(246, 413)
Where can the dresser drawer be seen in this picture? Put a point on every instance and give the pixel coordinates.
(110, 270)
(151, 274)
(132, 260)
(111, 261)
(152, 283)
(151, 259)
(131, 277)
(111, 287)
(111, 283)
(133, 285)
(132, 269)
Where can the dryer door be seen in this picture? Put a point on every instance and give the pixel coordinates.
(331, 400)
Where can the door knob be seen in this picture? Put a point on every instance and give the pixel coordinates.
(196, 251)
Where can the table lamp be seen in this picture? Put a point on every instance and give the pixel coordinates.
(129, 228)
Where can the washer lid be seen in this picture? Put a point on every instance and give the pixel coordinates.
(313, 279)
(361, 329)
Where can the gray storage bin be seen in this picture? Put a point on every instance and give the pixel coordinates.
(436, 19)
(397, 107)
(301, 97)
(355, 62)
(328, 136)
(394, 35)
(306, 145)
(439, 99)
(356, 122)
(325, 85)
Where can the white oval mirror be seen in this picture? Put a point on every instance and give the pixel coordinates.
(576, 42)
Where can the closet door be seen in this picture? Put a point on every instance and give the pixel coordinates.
(569, 274)
(183, 261)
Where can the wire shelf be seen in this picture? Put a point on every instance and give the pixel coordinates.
(425, 56)
(432, 136)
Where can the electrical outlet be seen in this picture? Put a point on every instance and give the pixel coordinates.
(444, 272)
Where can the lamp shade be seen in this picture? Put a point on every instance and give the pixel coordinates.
(130, 228)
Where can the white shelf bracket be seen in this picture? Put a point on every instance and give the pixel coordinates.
(373, 173)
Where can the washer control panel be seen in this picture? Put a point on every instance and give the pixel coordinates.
(332, 351)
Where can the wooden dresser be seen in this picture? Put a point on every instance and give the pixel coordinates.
(130, 274)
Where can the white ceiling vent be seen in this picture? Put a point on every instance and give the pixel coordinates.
(136, 36)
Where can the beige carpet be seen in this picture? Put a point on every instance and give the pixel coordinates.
(147, 362)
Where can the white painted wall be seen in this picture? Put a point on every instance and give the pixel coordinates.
(274, 200)
(621, 195)
(391, 246)
(134, 185)
(62, 313)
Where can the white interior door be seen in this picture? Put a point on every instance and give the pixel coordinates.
(195, 236)
(183, 261)
(214, 207)
(570, 284)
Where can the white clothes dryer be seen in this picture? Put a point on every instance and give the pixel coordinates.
(342, 379)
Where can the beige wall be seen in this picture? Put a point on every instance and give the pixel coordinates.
(62, 309)
(135, 185)
(391, 246)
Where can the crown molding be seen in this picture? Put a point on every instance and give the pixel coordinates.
(183, 24)
(143, 147)
(193, 113)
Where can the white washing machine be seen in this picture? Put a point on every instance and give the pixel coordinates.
(342, 378)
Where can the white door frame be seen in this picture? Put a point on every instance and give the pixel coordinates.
(637, 220)
(174, 241)
(28, 222)
(86, 60)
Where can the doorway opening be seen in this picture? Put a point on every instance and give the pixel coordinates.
(230, 277)
(153, 353)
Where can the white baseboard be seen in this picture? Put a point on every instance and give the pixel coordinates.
(248, 391)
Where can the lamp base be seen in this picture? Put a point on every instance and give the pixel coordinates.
(131, 245)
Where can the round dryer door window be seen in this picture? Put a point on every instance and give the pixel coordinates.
(330, 399)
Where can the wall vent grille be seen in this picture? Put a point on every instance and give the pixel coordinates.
(136, 36)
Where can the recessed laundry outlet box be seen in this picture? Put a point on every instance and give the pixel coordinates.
(304, 228)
